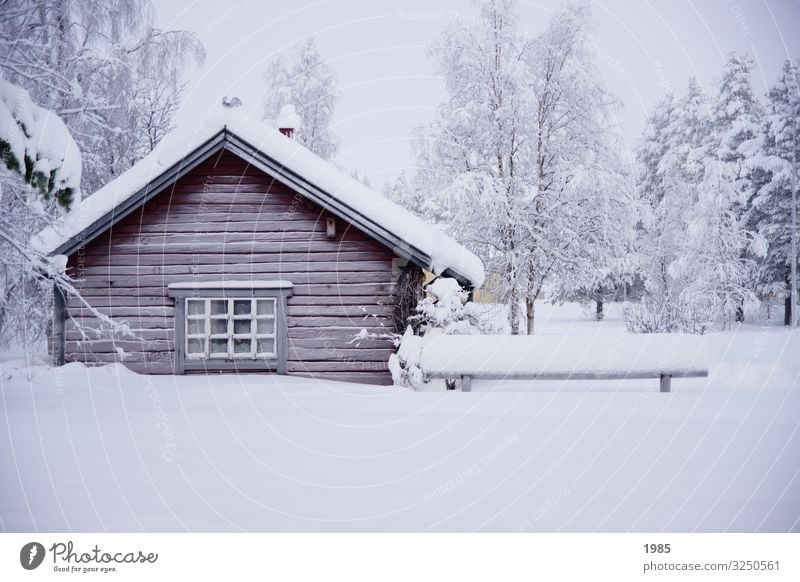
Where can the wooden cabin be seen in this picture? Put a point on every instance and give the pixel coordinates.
(236, 249)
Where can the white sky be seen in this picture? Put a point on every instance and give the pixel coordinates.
(388, 84)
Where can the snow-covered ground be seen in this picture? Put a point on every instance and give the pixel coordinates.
(106, 449)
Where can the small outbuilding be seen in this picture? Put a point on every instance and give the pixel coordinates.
(232, 247)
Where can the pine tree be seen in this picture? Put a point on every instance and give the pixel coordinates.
(698, 249)
(773, 201)
(671, 156)
(734, 140)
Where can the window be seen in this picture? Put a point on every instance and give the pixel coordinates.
(231, 325)
(230, 329)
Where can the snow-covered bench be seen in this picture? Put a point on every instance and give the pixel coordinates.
(617, 357)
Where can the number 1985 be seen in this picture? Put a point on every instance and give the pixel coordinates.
(656, 549)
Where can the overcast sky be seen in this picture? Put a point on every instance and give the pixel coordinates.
(388, 84)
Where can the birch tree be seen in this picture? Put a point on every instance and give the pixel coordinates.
(93, 63)
(521, 149)
(113, 78)
(304, 80)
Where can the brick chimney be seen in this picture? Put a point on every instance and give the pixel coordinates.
(288, 120)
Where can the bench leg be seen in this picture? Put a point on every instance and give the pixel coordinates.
(666, 382)
(466, 383)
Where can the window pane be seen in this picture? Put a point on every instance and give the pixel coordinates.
(266, 307)
(241, 307)
(195, 346)
(219, 326)
(195, 307)
(266, 345)
(219, 307)
(241, 326)
(196, 326)
(241, 346)
(218, 346)
(266, 326)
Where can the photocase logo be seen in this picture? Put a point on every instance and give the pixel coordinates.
(31, 555)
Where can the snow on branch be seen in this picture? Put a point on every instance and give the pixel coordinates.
(36, 144)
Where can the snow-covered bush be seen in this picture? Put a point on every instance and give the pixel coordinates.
(689, 313)
(405, 364)
(444, 310)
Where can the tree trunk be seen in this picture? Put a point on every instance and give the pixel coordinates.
(531, 309)
(787, 304)
(514, 315)
(739, 313)
(598, 310)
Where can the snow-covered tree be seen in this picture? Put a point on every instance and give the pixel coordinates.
(671, 155)
(777, 187)
(304, 80)
(478, 149)
(730, 185)
(41, 168)
(115, 81)
(517, 151)
(103, 68)
(697, 249)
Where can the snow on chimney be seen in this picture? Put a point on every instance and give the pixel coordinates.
(288, 120)
(231, 103)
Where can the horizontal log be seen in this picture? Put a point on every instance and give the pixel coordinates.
(338, 366)
(203, 226)
(134, 323)
(190, 214)
(331, 355)
(184, 206)
(386, 300)
(326, 290)
(110, 347)
(274, 268)
(190, 238)
(231, 169)
(115, 300)
(332, 333)
(142, 281)
(345, 343)
(227, 183)
(352, 322)
(309, 257)
(189, 247)
(199, 196)
(162, 334)
(357, 311)
(117, 312)
(107, 357)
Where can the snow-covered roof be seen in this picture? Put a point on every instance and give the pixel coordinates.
(411, 236)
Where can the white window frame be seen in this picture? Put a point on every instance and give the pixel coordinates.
(276, 361)
(230, 334)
